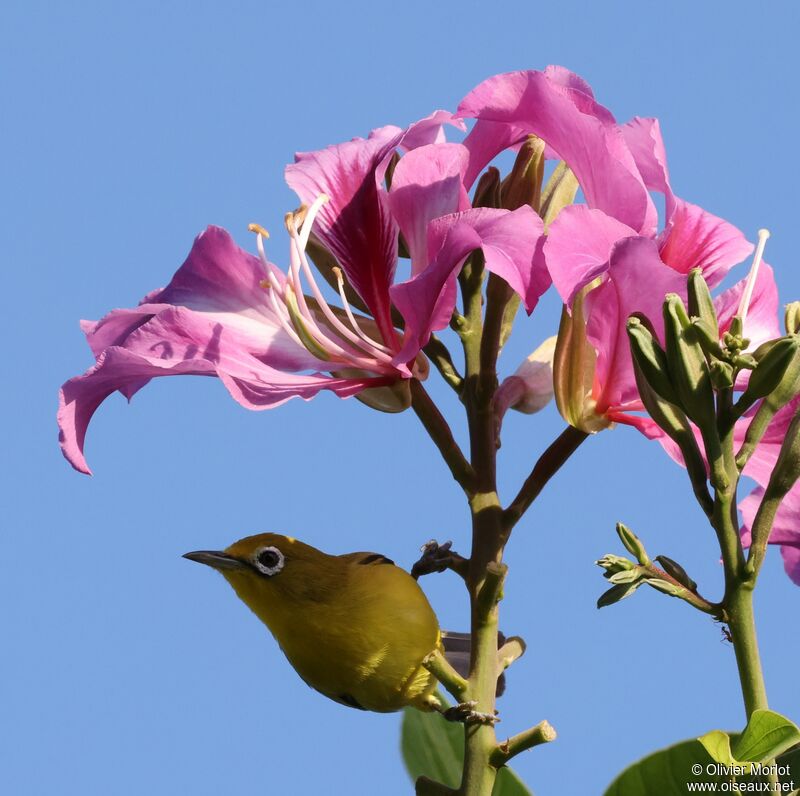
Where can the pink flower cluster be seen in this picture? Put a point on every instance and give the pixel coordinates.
(271, 335)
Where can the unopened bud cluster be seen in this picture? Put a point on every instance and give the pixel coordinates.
(693, 377)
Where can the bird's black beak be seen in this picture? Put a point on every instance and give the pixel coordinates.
(216, 559)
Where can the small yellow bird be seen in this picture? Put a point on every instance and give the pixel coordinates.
(355, 627)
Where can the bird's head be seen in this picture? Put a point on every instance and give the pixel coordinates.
(273, 574)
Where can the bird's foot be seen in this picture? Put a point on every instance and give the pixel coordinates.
(465, 713)
(437, 558)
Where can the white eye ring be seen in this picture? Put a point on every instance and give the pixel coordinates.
(268, 560)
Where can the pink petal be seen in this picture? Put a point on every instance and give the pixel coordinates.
(355, 224)
(429, 130)
(643, 137)
(427, 183)
(220, 325)
(637, 281)
(574, 125)
(508, 240)
(791, 561)
(183, 342)
(760, 465)
(578, 247)
(785, 530)
(694, 238)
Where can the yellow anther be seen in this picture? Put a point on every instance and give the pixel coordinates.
(265, 284)
(258, 229)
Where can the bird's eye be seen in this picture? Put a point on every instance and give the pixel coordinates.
(269, 560)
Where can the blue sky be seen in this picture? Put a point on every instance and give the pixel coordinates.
(128, 128)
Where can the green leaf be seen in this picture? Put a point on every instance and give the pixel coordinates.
(766, 736)
(718, 744)
(668, 772)
(434, 747)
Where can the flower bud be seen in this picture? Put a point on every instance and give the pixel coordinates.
(772, 368)
(721, 375)
(487, 192)
(792, 317)
(574, 367)
(627, 576)
(650, 358)
(669, 417)
(787, 468)
(633, 544)
(523, 185)
(613, 564)
(531, 387)
(675, 570)
(666, 586)
(701, 305)
(559, 191)
(687, 365)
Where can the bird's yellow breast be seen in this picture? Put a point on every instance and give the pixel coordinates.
(358, 635)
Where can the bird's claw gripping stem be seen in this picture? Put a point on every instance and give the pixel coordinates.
(437, 558)
(465, 713)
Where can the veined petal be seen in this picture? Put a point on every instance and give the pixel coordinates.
(355, 224)
(643, 136)
(581, 131)
(508, 240)
(636, 281)
(427, 183)
(180, 341)
(578, 247)
(694, 238)
(212, 319)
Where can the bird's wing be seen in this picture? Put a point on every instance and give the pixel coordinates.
(365, 558)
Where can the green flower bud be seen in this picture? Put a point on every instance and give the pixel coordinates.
(787, 468)
(721, 375)
(523, 185)
(627, 575)
(666, 587)
(687, 365)
(574, 368)
(633, 544)
(675, 570)
(487, 191)
(673, 421)
(649, 358)
(792, 317)
(770, 371)
(701, 305)
(613, 564)
(559, 191)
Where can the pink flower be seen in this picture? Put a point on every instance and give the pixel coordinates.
(270, 336)
(612, 242)
(785, 530)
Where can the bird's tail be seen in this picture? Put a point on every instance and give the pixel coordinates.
(457, 647)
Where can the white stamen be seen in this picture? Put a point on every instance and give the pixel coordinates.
(308, 221)
(379, 355)
(744, 303)
(346, 305)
